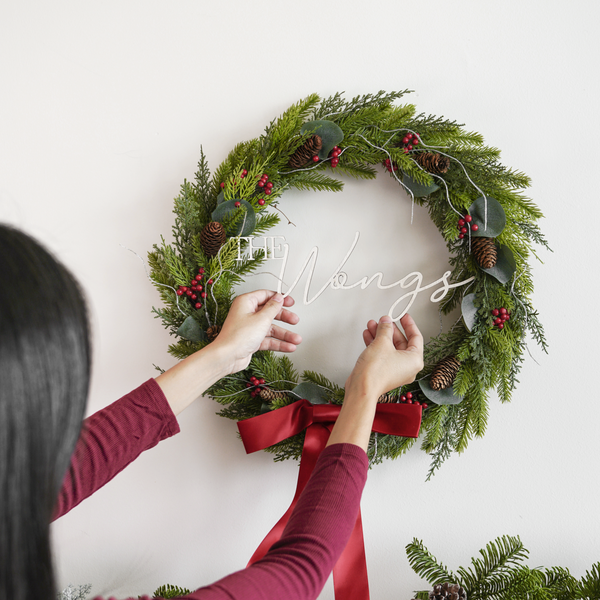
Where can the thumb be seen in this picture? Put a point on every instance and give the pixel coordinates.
(385, 329)
(272, 307)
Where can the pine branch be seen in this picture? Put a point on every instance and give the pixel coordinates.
(423, 563)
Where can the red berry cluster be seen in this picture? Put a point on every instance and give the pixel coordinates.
(265, 186)
(389, 165)
(195, 291)
(335, 157)
(463, 225)
(501, 315)
(409, 398)
(256, 384)
(409, 141)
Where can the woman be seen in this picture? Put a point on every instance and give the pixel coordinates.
(44, 380)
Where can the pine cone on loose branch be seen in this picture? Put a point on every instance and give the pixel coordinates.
(433, 162)
(444, 374)
(212, 237)
(484, 251)
(448, 591)
(386, 398)
(305, 153)
(213, 332)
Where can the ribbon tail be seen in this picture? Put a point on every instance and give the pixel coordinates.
(314, 442)
(350, 580)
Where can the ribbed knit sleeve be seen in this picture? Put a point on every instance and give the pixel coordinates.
(112, 438)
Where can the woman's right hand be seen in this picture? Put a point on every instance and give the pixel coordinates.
(391, 358)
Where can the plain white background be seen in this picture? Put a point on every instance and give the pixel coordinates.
(103, 108)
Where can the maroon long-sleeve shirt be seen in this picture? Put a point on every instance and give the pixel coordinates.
(297, 566)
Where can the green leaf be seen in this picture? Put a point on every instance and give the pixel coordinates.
(221, 197)
(328, 131)
(496, 217)
(312, 392)
(469, 311)
(246, 226)
(505, 266)
(191, 330)
(418, 189)
(446, 396)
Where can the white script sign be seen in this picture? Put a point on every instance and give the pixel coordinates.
(339, 279)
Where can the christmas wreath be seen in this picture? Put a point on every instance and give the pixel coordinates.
(477, 204)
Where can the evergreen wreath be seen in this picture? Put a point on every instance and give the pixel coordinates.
(478, 205)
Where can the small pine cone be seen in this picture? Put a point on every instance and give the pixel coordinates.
(213, 332)
(270, 395)
(448, 591)
(305, 152)
(485, 251)
(433, 162)
(444, 373)
(386, 398)
(212, 237)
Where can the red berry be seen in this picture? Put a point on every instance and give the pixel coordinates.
(409, 401)
(315, 158)
(265, 176)
(336, 148)
(244, 173)
(210, 282)
(463, 230)
(253, 379)
(184, 288)
(405, 140)
(415, 141)
(201, 270)
(497, 321)
(410, 147)
(461, 236)
(506, 317)
(409, 395)
(403, 398)
(204, 294)
(268, 192)
(198, 305)
(475, 227)
(261, 381)
(198, 277)
(188, 293)
(269, 185)
(261, 183)
(500, 325)
(503, 311)
(424, 405)
(261, 201)
(237, 204)
(416, 403)
(495, 312)
(248, 384)
(194, 297)
(461, 222)
(198, 288)
(180, 292)
(468, 218)
(405, 150)
(222, 184)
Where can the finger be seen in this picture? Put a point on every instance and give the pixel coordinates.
(277, 345)
(413, 335)
(372, 327)
(272, 307)
(367, 337)
(400, 342)
(279, 333)
(385, 329)
(287, 316)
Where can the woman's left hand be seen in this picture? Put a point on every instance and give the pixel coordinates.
(249, 327)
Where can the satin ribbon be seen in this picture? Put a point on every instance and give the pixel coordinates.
(350, 573)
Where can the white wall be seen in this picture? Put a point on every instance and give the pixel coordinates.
(104, 107)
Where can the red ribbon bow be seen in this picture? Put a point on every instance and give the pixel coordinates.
(350, 572)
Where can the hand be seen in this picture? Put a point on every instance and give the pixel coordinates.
(390, 359)
(249, 327)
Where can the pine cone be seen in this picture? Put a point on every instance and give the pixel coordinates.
(484, 251)
(213, 332)
(386, 398)
(433, 162)
(448, 591)
(444, 374)
(212, 237)
(270, 395)
(305, 152)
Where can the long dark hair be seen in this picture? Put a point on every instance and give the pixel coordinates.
(44, 380)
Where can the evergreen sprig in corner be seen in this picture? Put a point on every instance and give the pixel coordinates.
(478, 205)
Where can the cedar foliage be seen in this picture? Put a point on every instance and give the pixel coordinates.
(373, 125)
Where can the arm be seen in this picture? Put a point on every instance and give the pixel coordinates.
(116, 435)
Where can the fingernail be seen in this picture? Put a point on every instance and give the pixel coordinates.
(385, 319)
(277, 297)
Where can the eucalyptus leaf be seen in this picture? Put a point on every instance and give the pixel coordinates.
(446, 396)
(265, 407)
(312, 392)
(221, 197)
(505, 266)
(190, 330)
(418, 189)
(245, 226)
(496, 217)
(328, 131)
(469, 311)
